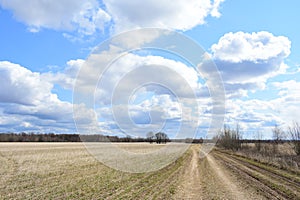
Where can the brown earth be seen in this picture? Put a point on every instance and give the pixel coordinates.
(207, 178)
(190, 187)
(222, 175)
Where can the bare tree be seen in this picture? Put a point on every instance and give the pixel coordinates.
(229, 138)
(294, 133)
(278, 136)
(150, 137)
(258, 138)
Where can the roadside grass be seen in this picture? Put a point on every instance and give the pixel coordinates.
(277, 185)
(287, 171)
(281, 155)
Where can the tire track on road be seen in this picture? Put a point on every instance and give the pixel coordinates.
(269, 183)
(190, 187)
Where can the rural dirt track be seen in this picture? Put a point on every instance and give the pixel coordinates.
(222, 175)
(208, 179)
(190, 186)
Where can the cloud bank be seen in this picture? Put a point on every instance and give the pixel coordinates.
(178, 15)
(247, 60)
(28, 103)
(86, 17)
(82, 16)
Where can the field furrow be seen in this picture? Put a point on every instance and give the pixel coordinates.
(281, 186)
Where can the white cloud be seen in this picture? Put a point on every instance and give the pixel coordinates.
(27, 103)
(237, 90)
(255, 47)
(247, 60)
(262, 115)
(21, 86)
(87, 16)
(288, 102)
(137, 38)
(252, 115)
(83, 16)
(132, 71)
(118, 82)
(67, 77)
(179, 15)
(290, 87)
(215, 9)
(155, 113)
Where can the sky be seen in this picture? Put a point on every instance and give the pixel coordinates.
(55, 75)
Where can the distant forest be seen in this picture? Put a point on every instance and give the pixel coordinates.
(38, 137)
(53, 137)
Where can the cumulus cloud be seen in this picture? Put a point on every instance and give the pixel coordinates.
(179, 15)
(290, 87)
(288, 101)
(247, 60)
(262, 115)
(168, 80)
(154, 113)
(88, 16)
(132, 71)
(255, 47)
(83, 16)
(252, 115)
(28, 103)
(244, 57)
(109, 87)
(137, 119)
(21, 86)
(66, 78)
(237, 90)
(215, 8)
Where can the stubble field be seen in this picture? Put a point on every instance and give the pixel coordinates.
(68, 171)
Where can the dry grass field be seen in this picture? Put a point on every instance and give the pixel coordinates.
(68, 171)
(281, 155)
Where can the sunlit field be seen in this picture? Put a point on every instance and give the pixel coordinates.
(67, 170)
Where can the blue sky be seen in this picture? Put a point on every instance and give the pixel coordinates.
(254, 44)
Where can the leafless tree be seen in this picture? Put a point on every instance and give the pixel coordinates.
(150, 137)
(294, 133)
(278, 136)
(229, 138)
(258, 138)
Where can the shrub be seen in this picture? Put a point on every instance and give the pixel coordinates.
(229, 138)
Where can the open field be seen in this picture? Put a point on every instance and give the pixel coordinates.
(68, 171)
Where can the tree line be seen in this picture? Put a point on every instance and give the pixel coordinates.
(151, 137)
(38, 137)
(53, 137)
(229, 138)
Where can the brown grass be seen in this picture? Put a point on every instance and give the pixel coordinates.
(281, 155)
(68, 171)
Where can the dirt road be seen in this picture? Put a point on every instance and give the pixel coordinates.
(224, 176)
(190, 187)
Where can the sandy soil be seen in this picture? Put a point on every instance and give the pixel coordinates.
(190, 187)
(210, 178)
